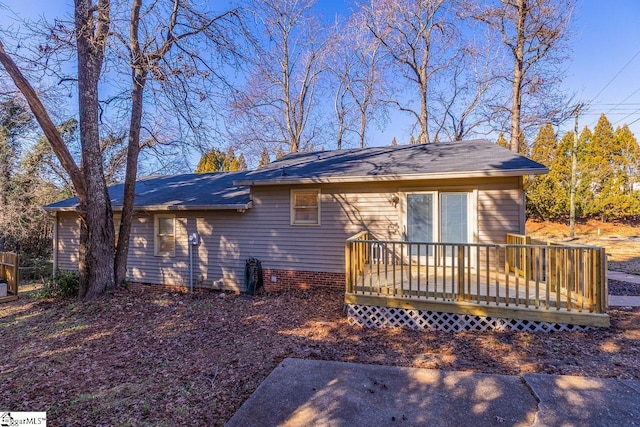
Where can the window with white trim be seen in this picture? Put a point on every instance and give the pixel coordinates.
(165, 235)
(305, 207)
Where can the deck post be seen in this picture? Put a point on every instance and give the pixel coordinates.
(604, 286)
(461, 289)
(347, 267)
(10, 270)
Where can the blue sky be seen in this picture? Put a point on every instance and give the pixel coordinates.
(605, 69)
(606, 51)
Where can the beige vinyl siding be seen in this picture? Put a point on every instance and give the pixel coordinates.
(345, 211)
(349, 208)
(216, 259)
(68, 241)
(229, 237)
(500, 211)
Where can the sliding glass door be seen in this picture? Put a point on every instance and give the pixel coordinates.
(421, 218)
(438, 217)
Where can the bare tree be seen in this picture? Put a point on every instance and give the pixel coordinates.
(341, 63)
(155, 33)
(465, 95)
(275, 107)
(356, 63)
(534, 33)
(165, 47)
(91, 29)
(368, 86)
(417, 36)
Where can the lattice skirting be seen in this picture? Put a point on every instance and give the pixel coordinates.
(370, 316)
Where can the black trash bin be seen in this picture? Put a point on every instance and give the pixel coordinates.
(252, 276)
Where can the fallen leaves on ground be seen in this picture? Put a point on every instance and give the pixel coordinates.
(171, 359)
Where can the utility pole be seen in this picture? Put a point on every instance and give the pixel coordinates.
(574, 173)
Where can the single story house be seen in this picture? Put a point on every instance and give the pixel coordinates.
(295, 214)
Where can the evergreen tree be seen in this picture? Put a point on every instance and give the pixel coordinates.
(545, 144)
(523, 147)
(215, 160)
(280, 153)
(394, 142)
(584, 193)
(599, 169)
(502, 142)
(412, 140)
(628, 156)
(211, 161)
(230, 161)
(242, 164)
(264, 158)
(546, 198)
(611, 159)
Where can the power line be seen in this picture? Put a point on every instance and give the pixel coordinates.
(633, 93)
(619, 103)
(617, 74)
(628, 115)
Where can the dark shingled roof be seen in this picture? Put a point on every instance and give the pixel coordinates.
(189, 191)
(231, 190)
(446, 159)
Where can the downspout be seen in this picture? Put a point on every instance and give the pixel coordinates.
(55, 244)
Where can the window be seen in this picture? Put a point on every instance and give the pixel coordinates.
(305, 207)
(165, 235)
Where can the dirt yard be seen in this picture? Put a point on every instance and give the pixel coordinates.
(144, 359)
(621, 240)
(169, 359)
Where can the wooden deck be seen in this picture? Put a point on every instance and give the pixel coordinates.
(546, 283)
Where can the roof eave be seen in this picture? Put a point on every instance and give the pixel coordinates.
(166, 207)
(404, 177)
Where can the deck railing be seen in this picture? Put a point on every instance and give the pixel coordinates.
(9, 263)
(516, 274)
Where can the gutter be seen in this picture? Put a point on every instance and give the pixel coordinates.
(384, 178)
(167, 207)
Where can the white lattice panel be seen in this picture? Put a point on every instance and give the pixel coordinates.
(369, 316)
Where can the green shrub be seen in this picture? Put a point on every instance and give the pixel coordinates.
(35, 268)
(66, 284)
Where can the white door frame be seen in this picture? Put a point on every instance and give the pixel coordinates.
(472, 222)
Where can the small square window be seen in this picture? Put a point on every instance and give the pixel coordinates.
(165, 236)
(305, 207)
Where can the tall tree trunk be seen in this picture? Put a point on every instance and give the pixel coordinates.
(90, 41)
(139, 79)
(66, 160)
(83, 250)
(516, 106)
(363, 125)
(423, 138)
(128, 201)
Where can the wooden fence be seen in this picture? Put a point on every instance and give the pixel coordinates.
(9, 264)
